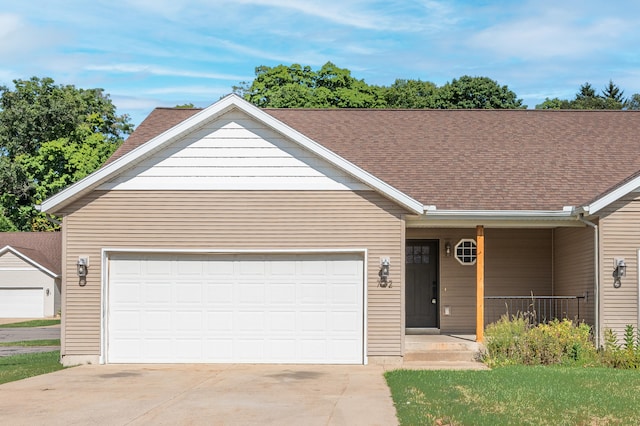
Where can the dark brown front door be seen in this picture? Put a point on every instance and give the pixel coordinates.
(422, 293)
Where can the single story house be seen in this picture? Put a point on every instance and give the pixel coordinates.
(239, 234)
(30, 274)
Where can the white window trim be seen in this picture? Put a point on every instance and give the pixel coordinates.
(461, 242)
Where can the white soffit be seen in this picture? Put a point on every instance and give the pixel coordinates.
(133, 157)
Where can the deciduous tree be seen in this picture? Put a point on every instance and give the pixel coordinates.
(50, 136)
(476, 92)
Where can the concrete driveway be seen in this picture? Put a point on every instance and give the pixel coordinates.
(201, 394)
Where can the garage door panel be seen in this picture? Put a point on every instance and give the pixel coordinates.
(159, 293)
(22, 302)
(235, 308)
(188, 292)
(281, 322)
(219, 321)
(188, 321)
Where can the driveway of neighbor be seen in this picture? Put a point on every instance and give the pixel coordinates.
(211, 394)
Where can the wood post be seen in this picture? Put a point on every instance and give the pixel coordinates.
(479, 283)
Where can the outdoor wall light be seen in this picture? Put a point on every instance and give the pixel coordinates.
(447, 249)
(82, 266)
(619, 272)
(383, 274)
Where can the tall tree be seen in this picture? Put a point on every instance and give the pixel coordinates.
(411, 94)
(587, 98)
(295, 86)
(50, 136)
(476, 92)
(613, 92)
(633, 102)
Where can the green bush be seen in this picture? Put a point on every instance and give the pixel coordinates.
(621, 355)
(516, 341)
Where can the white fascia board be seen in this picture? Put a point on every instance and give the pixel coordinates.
(612, 196)
(27, 259)
(495, 218)
(79, 188)
(501, 214)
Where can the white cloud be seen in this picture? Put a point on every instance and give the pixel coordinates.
(20, 39)
(208, 92)
(551, 32)
(161, 71)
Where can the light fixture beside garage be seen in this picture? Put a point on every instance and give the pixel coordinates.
(383, 274)
(82, 268)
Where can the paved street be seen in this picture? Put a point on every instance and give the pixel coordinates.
(27, 333)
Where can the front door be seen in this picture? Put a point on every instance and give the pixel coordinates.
(421, 257)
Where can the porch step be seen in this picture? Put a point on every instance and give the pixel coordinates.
(441, 348)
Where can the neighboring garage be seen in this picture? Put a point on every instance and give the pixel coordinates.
(30, 271)
(23, 302)
(245, 308)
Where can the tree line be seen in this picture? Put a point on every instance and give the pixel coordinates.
(53, 135)
(297, 86)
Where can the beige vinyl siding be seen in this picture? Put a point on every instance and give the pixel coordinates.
(619, 238)
(517, 262)
(11, 261)
(574, 267)
(228, 220)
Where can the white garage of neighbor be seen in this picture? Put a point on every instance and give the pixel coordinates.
(240, 308)
(30, 274)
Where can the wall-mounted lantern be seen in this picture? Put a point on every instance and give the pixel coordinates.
(447, 248)
(82, 269)
(383, 274)
(620, 270)
(82, 265)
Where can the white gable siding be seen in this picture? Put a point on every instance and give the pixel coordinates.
(234, 152)
(11, 262)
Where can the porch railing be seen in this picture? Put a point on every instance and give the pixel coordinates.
(538, 309)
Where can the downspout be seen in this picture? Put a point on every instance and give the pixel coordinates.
(597, 277)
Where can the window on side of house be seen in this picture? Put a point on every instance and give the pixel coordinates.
(465, 252)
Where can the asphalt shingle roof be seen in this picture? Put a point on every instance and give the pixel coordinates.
(468, 159)
(44, 248)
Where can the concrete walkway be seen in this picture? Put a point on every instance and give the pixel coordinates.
(201, 394)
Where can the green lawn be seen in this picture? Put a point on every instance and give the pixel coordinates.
(518, 395)
(46, 342)
(18, 367)
(33, 323)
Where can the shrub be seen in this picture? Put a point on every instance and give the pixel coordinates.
(503, 340)
(516, 341)
(621, 355)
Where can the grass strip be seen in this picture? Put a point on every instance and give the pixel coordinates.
(32, 323)
(18, 367)
(45, 342)
(517, 395)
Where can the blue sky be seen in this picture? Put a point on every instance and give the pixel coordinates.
(148, 53)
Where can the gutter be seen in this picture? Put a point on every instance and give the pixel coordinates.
(596, 290)
(497, 218)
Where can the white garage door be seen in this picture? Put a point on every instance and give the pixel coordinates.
(235, 308)
(21, 302)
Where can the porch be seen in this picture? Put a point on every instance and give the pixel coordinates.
(543, 272)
